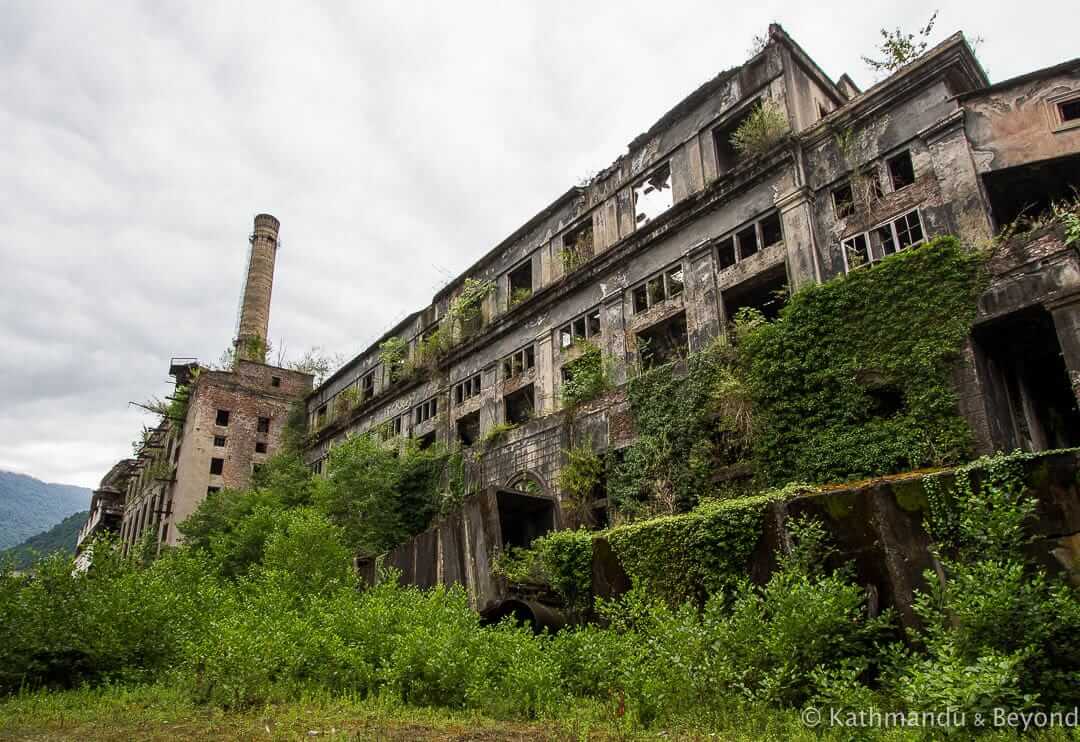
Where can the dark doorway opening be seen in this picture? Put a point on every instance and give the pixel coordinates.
(468, 428)
(1027, 382)
(523, 518)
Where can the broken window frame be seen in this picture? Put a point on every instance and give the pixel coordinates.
(518, 363)
(843, 207)
(641, 192)
(646, 356)
(426, 410)
(568, 334)
(510, 288)
(732, 244)
(896, 232)
(391, 428)
(905, 176)
(1068, 111)
(572, 243)
(470, 419)
(663, 280)
(467, 389)
(367, 386)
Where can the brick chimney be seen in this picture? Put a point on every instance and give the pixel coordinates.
(254, 323)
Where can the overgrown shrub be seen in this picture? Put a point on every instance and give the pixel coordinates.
(764, 127)
(588, 376)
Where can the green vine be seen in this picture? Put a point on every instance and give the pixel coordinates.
(587, 376)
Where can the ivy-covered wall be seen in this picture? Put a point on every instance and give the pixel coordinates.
(854, 379)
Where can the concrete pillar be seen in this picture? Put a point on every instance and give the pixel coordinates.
(255, 307)
(1066, 314)
(614, 329)
(545, 375)
(796, 216)
(702, 299)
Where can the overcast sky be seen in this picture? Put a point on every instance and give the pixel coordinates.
(396, 143)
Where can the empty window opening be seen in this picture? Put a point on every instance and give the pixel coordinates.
(663, 342)
(275, 381)
(217, 466)
(467, 389)
(391, 428)
(726, 154)
(868, 186)
(1069, 110)
(264, 425)
(901, 171)
(665, 285)
(900, 233)
(518, 362)
(219, 441)
(222, 418)
(1027, 383)
(843, 200)
(582, 327)
(468, 428)
(520, 405)
(427, 410)
(426, 441)
(519, 283)
(767, 292)
(577, 245)
(320, 417)
(1022, 194)
(771, 231)
(653, 195)
(260, 447)
(212, 490)
(367, 386)
(747, 242)
(523, 518)
(727, 253)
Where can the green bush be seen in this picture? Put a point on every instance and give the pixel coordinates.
(588, 376)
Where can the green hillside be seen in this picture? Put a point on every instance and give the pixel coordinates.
(29, 506)
(60, 537)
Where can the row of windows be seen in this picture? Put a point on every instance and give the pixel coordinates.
(901, 232)
(583, 327)
(220, 441)
(467, 389)
(223, 417)
(901, 172)
(752, 238)
(666, 284)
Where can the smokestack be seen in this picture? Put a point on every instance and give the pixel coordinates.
(255, 308)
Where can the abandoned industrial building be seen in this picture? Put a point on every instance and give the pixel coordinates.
(650, 262)
(655, 256)
(219, 426)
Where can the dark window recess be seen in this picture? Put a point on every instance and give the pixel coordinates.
(1070, 110)
(518, 362)
(468, 428)
(519, 283)
(582, 327)
(747, 240)
(317, 467)
(260, 447)
(766, 292)
(1025, 192)
(663, 342)
(212, 490)
(843, 201)
(578, 244)
(771, 231)
(275, 381)
(219, 440)
(726, 154)
(256, 468)
(661, 287)
(427, 410)
(901, 171)
(367, 386)
(727, 253)
(467, 389)
(427, 441)
(217, 466)
(320, 415)
(264, 425)
(520, 405)
(222, 418)
(653, 195)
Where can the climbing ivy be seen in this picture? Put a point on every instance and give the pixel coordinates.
(854, 378)
(689, 425)
(587, 376)
(579, 479)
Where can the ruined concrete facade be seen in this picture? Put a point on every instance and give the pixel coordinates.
(657, 253)
(232, 421)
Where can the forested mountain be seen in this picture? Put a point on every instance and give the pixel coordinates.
(29, 506)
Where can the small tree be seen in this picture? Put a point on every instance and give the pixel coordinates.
(898, 48)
